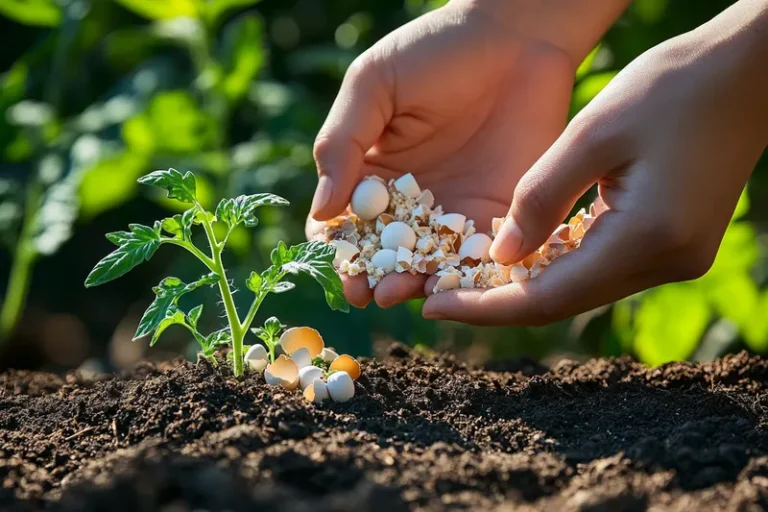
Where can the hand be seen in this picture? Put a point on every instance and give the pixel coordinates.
(461, 99)
(671, 143)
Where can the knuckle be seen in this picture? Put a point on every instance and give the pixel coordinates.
(322, 148)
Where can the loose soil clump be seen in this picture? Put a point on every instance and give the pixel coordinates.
(420, 434)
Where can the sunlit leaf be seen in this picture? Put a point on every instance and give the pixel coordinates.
(215, 10)
(669, 323)
(588, 88)
(174, 316)
(742, 207)
(179, 186)
(283, 287)
(244, 55)
(242, 208)
(134, 247)
(315, 259)
(586, 65)
(194, 315)
(110, 183)
(44, 13)
(56, 216)
(254, 282)
(162, 9)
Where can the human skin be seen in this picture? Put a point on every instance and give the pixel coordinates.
(466, 98)
(671, 142)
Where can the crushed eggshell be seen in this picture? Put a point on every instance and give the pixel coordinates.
(347, 363)
(410, 234)
(297, 338)
(283, 372)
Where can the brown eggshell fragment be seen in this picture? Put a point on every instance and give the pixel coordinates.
(296, 338)
(346, 363)
(283, 372)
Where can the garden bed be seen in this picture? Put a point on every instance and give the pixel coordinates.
(423, 434)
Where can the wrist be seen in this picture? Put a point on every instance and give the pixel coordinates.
(572, 27)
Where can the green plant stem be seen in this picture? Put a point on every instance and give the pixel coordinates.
(238, 333)
(194, 250)
(21, 268)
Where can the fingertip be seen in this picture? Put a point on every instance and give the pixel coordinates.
(429, 286)
(357, 291)
(396, 288)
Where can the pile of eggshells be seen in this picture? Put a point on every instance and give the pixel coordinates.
(395, 227)
(301, 346)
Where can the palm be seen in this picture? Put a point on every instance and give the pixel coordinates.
(471, 108)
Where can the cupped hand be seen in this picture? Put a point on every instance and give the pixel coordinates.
(457, 98)
(671, 142)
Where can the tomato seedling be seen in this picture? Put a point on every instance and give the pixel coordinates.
(313, 258)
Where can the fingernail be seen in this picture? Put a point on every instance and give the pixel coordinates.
(507, 243)
(322, 195)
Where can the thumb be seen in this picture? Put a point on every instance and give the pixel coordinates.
(547, 192)
(357, 118)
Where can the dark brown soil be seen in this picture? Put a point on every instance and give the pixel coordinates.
(420, 435)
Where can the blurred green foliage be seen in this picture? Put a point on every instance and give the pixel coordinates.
(98, 92)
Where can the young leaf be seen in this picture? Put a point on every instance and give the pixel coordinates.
(179, 186)
(134, 247)
(194, 315)
(273, 326)
(168, 293)
(242, 208)
(254, 282)
(174, 316)
(283, 287)
(314, 258)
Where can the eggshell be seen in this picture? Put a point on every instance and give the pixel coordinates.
(476, 247)
(302, 337)
(283, 372)
(447, 282)
(257, 357)
(308, 374)
(317, 391)
(344, 251)
(406, 185)
(398, 234)
(452, 221)
(341, 387)
(348, 364)
(370, 199)
(385, 259)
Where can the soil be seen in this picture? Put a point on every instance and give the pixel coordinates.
(421, 434)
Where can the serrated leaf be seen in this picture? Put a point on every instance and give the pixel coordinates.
(220, 337)
(241, 210)
(167, 295)
(315, 259)
(174, 316)
(283, 287)
(179, 186)
(254, 282)
(173, 226)
(56, 216)
(134, 247)
(194, 315)
(273, 326)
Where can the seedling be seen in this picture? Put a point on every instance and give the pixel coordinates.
(140, 243)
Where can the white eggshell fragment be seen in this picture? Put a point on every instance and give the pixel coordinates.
(317, 391)
(370, 199)
(476, 247)
(341, 387)
(257, 357)
(302, 358)
(328, 355)
(452, 221)
(385, 259)
(406, 185)
(308, 374)
(344, 251)
(426, 198)
(398, 234)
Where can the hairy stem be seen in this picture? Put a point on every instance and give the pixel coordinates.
(238, 333)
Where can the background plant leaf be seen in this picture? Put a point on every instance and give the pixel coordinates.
(179, 186)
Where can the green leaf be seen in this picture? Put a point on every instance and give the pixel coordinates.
(244, 55)
(179, 186)
(194, 315)
(283, 287)
(167, 295)
(273, 326)
(220, 337)
(315, 259)
(163, 9)
(43, 13)
(742, 207)
(670, 322)
(174, 316)
(173, 226)
(254, 282)
(11, 212)
(215, 10)
(588, 88)
(134, 247)
(242, 208)
(586, 65)
(180, 225)
(56, 216)
(110, 182)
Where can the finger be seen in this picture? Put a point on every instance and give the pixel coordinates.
(547, 192)
(608, 266)
(356, 290)
(357, 118)
(429, 286)
(396, 288)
